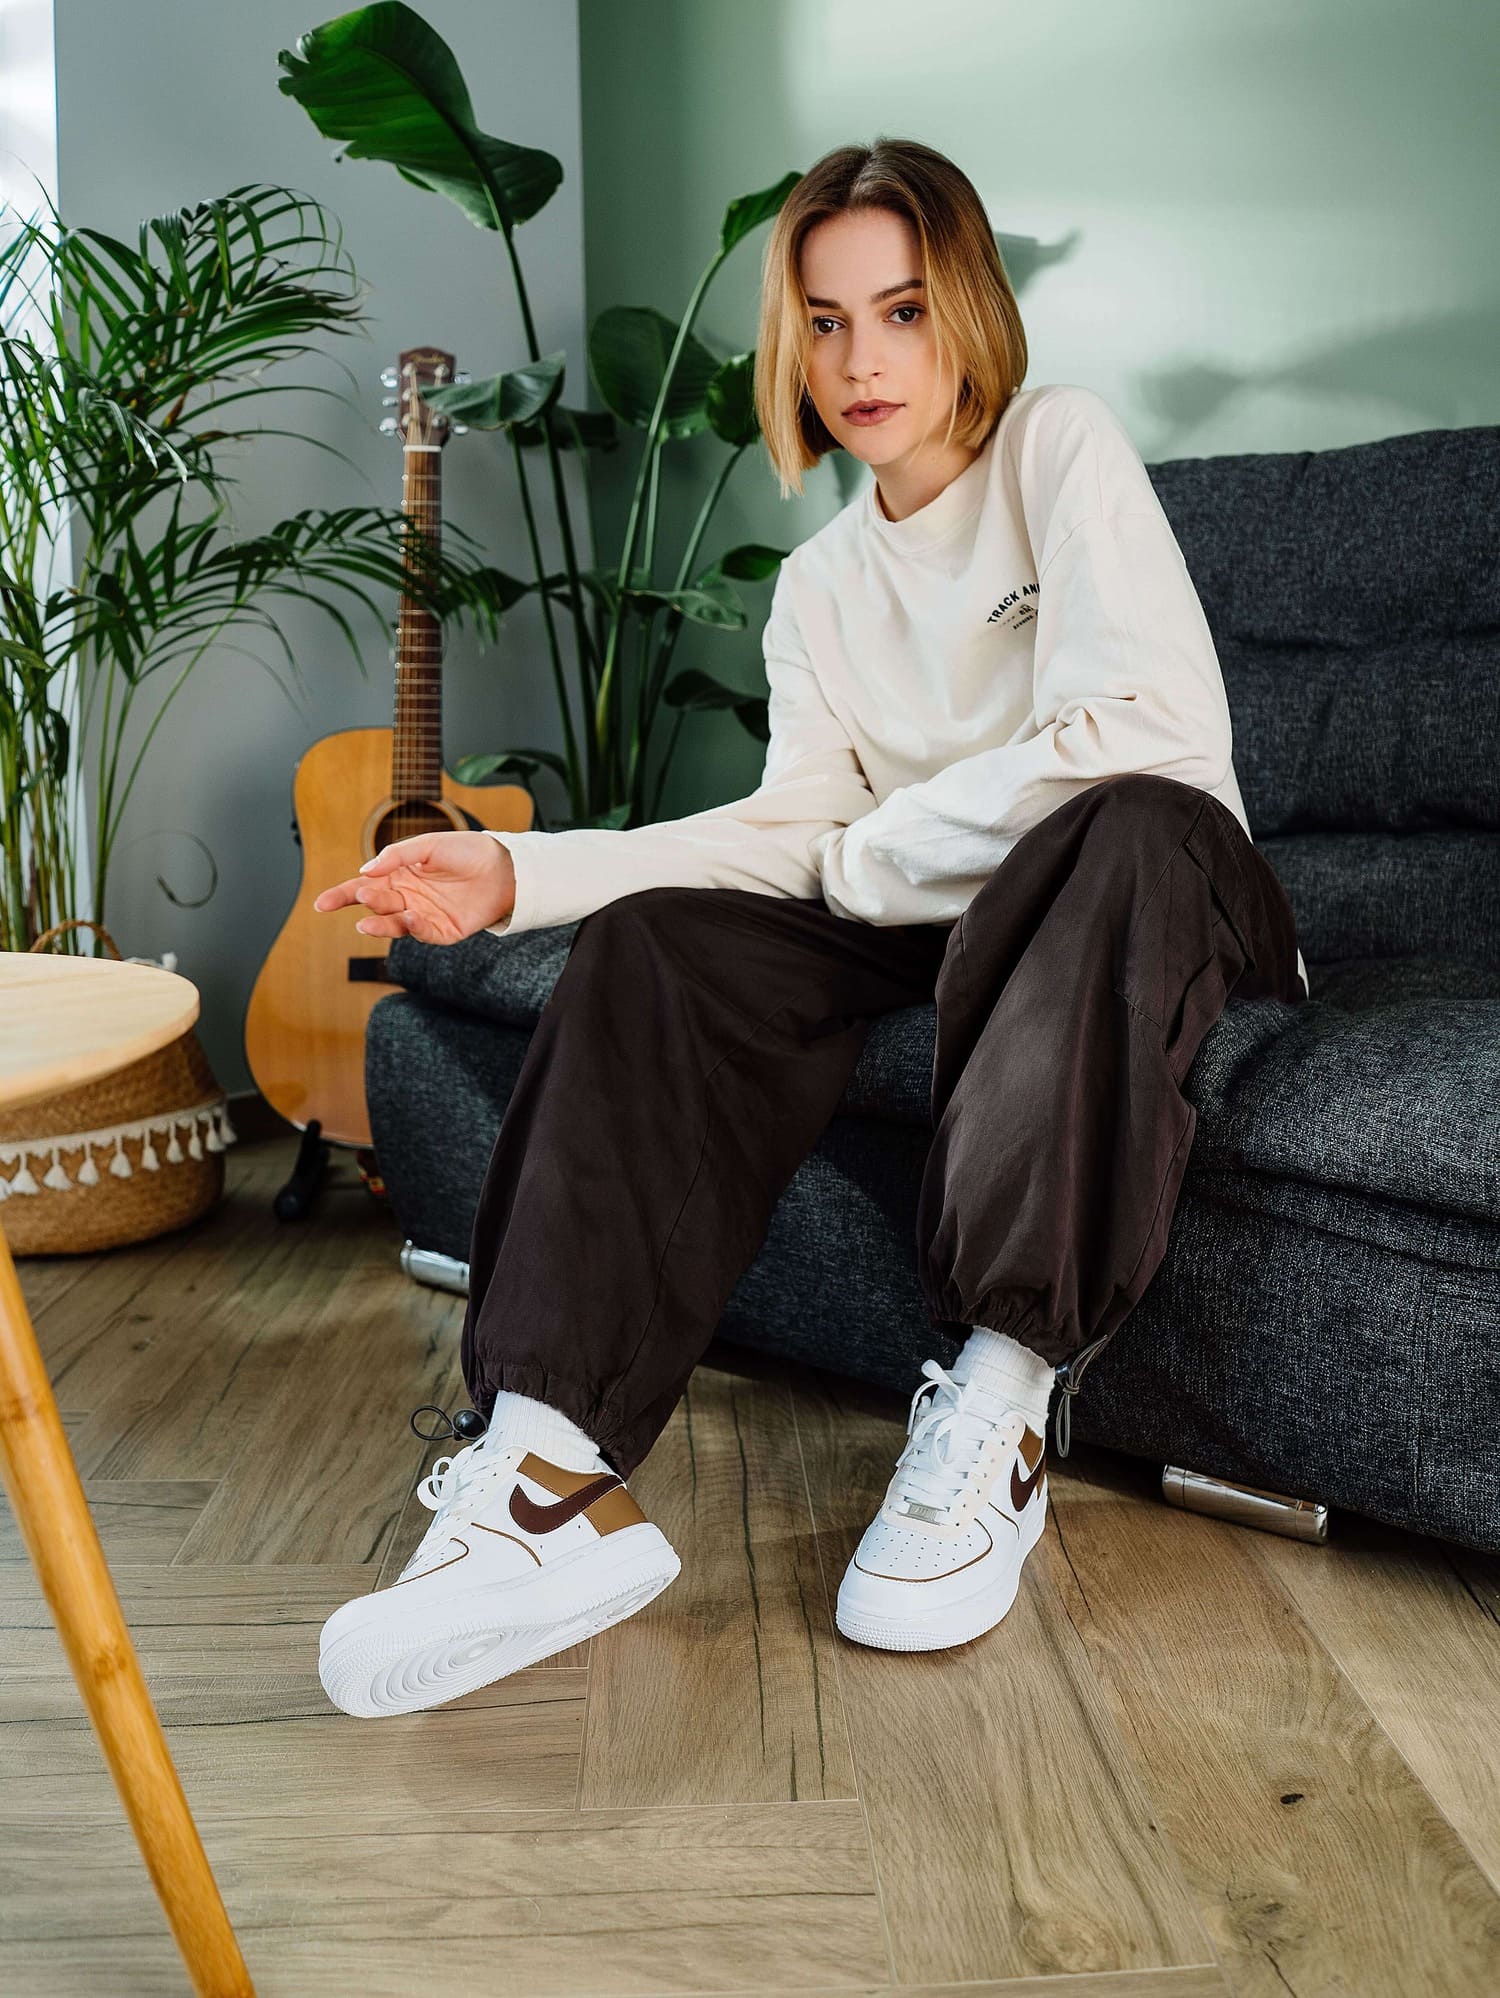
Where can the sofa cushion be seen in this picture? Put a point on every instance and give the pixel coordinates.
(1386, 1081)
(1416, 895)
(1400, 736)
(1351, 547)
(1354, 599)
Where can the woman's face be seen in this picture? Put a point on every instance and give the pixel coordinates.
(870, 335)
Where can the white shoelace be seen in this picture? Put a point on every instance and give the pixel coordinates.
(943, 1445)
(454, 1478)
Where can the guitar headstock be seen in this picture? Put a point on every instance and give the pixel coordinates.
(418, 369)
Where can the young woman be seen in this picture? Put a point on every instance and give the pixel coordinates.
(999, 778)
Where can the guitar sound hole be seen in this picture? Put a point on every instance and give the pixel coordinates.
(406, 820)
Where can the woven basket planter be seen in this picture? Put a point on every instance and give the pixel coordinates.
(133, 1154)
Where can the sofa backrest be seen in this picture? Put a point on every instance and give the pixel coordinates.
(1354, 598)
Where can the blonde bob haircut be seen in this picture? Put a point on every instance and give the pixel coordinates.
(973, 309)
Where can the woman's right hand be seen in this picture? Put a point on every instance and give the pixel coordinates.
(437, 887)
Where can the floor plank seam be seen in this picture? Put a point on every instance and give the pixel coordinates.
(829, 1601)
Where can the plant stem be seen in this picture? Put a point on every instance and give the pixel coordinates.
(565, 525)
(649, 692)
(653, 447)
(529, 515)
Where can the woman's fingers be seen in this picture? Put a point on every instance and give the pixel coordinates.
(401, 853)
(375, 893)
(340, 896)
(392, 925)
(379, 897)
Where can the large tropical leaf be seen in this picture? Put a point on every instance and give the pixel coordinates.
(592, 429)
(697, 690)
(501, 400)
(629, 347)
(708, 600)
(388, 85)
(610, 821)
(748, 211)
(729, 401)
(599, 583)
(502, 762)
(751, 562)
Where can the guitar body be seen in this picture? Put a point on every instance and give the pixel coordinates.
(305, 1026)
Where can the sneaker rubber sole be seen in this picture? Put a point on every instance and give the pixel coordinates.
(371, 1667)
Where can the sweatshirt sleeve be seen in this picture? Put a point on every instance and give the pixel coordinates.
(812, 782)
(1125, 677)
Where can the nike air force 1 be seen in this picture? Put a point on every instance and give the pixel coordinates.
(523, 1559)
(941, 1561)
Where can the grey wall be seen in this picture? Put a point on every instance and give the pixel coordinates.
(161, 103)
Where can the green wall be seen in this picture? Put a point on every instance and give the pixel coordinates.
(1260, 229)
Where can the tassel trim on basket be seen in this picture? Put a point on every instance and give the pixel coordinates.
(215, 1115)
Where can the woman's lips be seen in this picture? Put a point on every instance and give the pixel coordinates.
(877, 415)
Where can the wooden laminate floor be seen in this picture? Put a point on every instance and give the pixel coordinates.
(1194, 1759)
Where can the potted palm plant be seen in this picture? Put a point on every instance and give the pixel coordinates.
(129, 373)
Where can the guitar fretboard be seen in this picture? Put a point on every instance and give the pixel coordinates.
(417, 738)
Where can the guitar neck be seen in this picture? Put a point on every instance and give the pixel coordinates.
(417, 739)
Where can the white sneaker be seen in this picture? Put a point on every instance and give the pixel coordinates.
(523, 1559)
(941, 1560)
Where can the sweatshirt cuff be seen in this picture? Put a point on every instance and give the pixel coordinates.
(523, 915)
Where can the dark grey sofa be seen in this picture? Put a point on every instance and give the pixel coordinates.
(1326, 1322)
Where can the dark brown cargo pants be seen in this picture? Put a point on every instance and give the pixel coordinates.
(699, 1040)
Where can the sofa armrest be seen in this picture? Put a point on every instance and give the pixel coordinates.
(509, 979)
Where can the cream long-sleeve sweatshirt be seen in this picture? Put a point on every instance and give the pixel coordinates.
(939, 684)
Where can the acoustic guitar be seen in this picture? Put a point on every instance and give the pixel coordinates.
(352, 794)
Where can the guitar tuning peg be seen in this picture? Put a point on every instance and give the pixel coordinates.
(463, 375)
(388, 377)
(388, 426)
(389, 401)
(460, 429)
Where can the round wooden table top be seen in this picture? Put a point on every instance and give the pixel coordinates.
(65, 1021)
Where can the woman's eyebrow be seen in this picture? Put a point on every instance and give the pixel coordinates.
(911, 284)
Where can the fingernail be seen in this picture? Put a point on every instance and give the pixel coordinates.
(366, 865)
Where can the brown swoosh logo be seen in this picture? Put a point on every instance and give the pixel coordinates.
(534, 1518)
(1021, 1488)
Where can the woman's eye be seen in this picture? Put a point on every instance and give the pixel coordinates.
(824, 321)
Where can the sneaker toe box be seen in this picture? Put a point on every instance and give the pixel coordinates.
(903, 1571)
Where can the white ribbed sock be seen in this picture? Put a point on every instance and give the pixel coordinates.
(1003, 1366)
(521, 1419)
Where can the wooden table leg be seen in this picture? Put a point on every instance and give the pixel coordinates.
(53, 1513)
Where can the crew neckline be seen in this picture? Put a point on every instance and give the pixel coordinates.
(961, 497)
